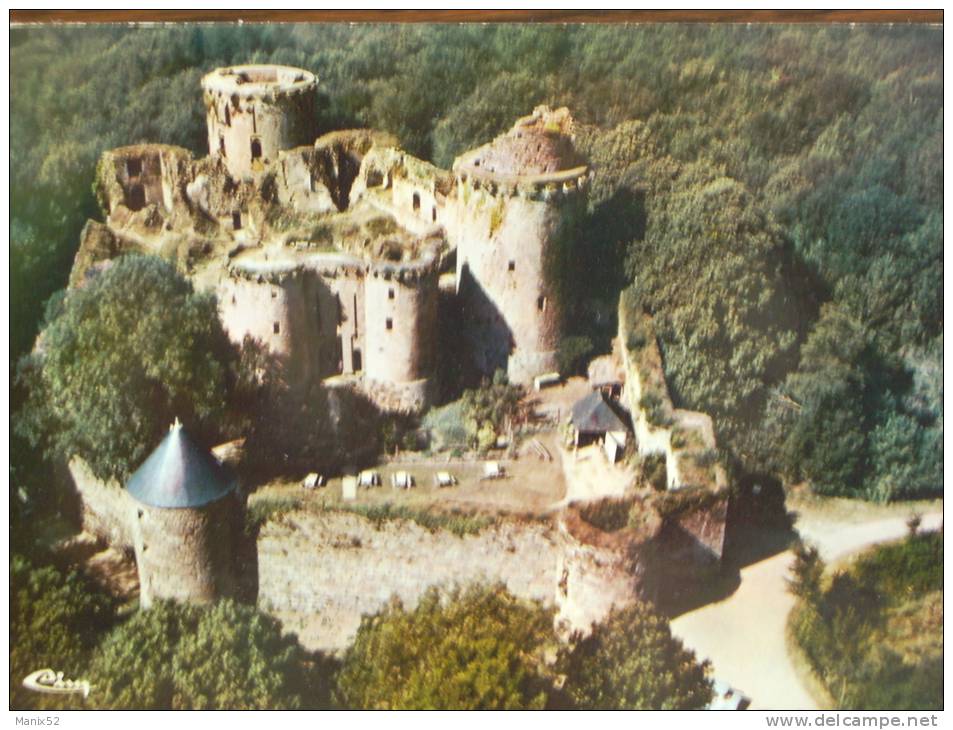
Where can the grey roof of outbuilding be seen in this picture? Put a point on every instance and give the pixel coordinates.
(180, 474)
(593, 415)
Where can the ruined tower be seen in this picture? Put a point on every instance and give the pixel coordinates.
(254, 111)
(183, 525)
(512, 220)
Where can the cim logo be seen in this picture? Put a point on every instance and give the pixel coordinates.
(50, 682)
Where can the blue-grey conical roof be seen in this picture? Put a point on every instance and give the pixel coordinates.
(180, 474)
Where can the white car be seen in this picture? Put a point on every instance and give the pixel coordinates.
(369, 478)
(444, 479)
(727, 698)
(401, 480)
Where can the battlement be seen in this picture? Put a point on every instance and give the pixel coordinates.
(533, 187)
(275, 265)
(254, 112)
(262, 81)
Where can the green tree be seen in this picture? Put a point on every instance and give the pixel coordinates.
(479, 648)
(180, 656)
(858, 428)
(488, 408)
(631, 661)
(130, 352)
(572, 355)
(806, 573)
(709, 270)
(55, 620)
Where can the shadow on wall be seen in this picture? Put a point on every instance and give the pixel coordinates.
(297, 431)
(597, 275)
(758, 523)
(757, 527)
(690, 574)
(490, 339)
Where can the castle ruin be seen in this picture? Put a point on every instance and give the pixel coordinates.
(332, 253)
(344, 257)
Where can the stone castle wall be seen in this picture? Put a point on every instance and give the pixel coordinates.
(321, 572)
(185, 554)
(644, 376)
(105, 506)
(341, 316)
(508, 281)
(278, 313)
(401, 326)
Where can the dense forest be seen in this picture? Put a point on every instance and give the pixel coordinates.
(772, 195)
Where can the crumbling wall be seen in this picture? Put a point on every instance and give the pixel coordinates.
(143, 175)
(105, 506)
(322, 572)
(300, 185)
(686, 438)
(96, 244)
(413, 191)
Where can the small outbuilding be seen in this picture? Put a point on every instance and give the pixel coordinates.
(595, 419)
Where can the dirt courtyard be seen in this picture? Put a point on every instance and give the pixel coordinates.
(540, 477)
(530, 483)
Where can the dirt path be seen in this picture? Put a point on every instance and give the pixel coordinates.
(589, 475)
(744, 635)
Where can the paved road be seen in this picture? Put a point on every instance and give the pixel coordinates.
(743, 635)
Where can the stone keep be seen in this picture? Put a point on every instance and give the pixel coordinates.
(183, 523)
(254, 111)
(514, 206)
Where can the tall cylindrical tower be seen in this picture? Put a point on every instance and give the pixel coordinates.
(184, 523)
(401, 321)
(253, 111)
(513, 219)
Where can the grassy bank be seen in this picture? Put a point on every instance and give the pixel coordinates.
(872, 632)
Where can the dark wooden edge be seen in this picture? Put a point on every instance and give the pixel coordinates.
(476, 16)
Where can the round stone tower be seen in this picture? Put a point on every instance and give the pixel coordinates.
(512, 219)
(184, 523)
(253, 111)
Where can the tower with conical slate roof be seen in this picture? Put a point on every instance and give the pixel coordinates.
(184, 524)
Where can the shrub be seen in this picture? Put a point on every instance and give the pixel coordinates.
(805, 582)
(180, 656)
(446, 425)
(55, 620)
(131, 351)
(631, 661)
(653, 406)
(263, 510)
(478, 648)
(655, 472)
(487, 409)
(911, 567)
(609, 515)
(455, 521)
(573, 354)
(874, 635)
